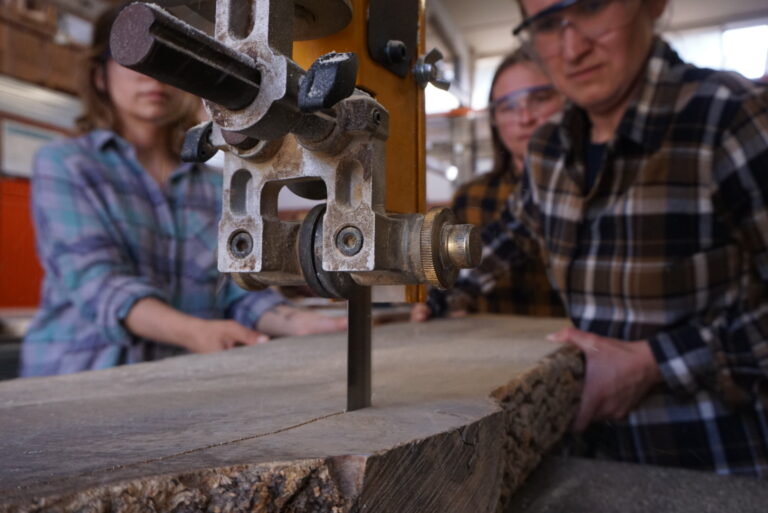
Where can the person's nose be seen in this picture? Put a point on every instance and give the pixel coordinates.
(575, 44)
(524, 115)
(146, 79)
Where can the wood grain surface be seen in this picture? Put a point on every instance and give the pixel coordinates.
(462, 411)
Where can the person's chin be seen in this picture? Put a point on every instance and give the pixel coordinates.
(592, 98)
(590, 84)
(157, 116)
(517, 149)
(586, 75)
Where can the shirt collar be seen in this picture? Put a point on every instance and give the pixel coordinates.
(102, 139)
(649, 112)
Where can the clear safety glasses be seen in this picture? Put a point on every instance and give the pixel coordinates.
(543, 32)
(536, 101)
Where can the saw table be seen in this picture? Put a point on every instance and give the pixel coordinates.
(462, 411)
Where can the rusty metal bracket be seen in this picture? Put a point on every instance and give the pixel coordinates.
(311, 131)
(393, 33)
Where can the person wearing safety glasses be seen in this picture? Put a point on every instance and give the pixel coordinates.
(521, 99)
(648, 197)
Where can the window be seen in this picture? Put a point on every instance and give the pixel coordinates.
(742, 48)
(746, 50)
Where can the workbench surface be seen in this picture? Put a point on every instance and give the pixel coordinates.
(269, 421)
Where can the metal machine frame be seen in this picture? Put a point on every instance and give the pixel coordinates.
(313, 131)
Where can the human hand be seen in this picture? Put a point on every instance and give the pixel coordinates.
(618, 375)
(420, 312)
(284, 320)
(210, 336)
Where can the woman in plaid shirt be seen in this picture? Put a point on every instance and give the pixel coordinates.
(521, 99)
(127, 237)
(649, 198)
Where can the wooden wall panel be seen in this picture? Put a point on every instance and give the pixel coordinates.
(28, 51)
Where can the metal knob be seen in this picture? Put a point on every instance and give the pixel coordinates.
(447, 247)
(463, 245)
(426, 72)
(330, 79)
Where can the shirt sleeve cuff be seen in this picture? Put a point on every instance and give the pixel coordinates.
(249, 309)
(685, 359)
(437, 303)
(113, 310)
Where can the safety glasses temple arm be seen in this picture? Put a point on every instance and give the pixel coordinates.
(559, 6)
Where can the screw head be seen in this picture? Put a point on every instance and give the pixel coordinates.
(376, 116)
(395, 51)
(240, 244)
(349, 241)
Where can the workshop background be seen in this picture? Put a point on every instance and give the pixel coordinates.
(41, 41)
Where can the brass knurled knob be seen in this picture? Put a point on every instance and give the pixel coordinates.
(447, 247)
(464, 245)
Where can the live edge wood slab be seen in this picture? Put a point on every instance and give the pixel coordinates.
(462, 411)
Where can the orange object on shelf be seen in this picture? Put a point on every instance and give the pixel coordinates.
(20, 271)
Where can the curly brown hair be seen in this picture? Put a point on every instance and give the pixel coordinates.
(98, 109)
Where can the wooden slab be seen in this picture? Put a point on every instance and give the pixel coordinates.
(462, 411)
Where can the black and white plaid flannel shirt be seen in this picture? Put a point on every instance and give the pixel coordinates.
(669, 246)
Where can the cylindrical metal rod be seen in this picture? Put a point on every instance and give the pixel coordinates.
(147, 39)
(359, 349)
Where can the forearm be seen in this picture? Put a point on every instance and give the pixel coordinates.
(723, 355)
(248, 307)
(445, 303)
(285, 320)
(506, 242)
(155, 320)
(88, 265)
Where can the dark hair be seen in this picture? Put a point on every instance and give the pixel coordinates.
(98, 110)
(502, 157)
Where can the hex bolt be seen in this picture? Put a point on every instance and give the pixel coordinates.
(376, 116)
(349, 241)
(240, 244)
(395, 51)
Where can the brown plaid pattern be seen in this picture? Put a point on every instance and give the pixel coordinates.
(670, 246)
(525, 288)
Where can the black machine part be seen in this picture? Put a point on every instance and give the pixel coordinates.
(330, 79)
(341, 285)
(393, 33)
